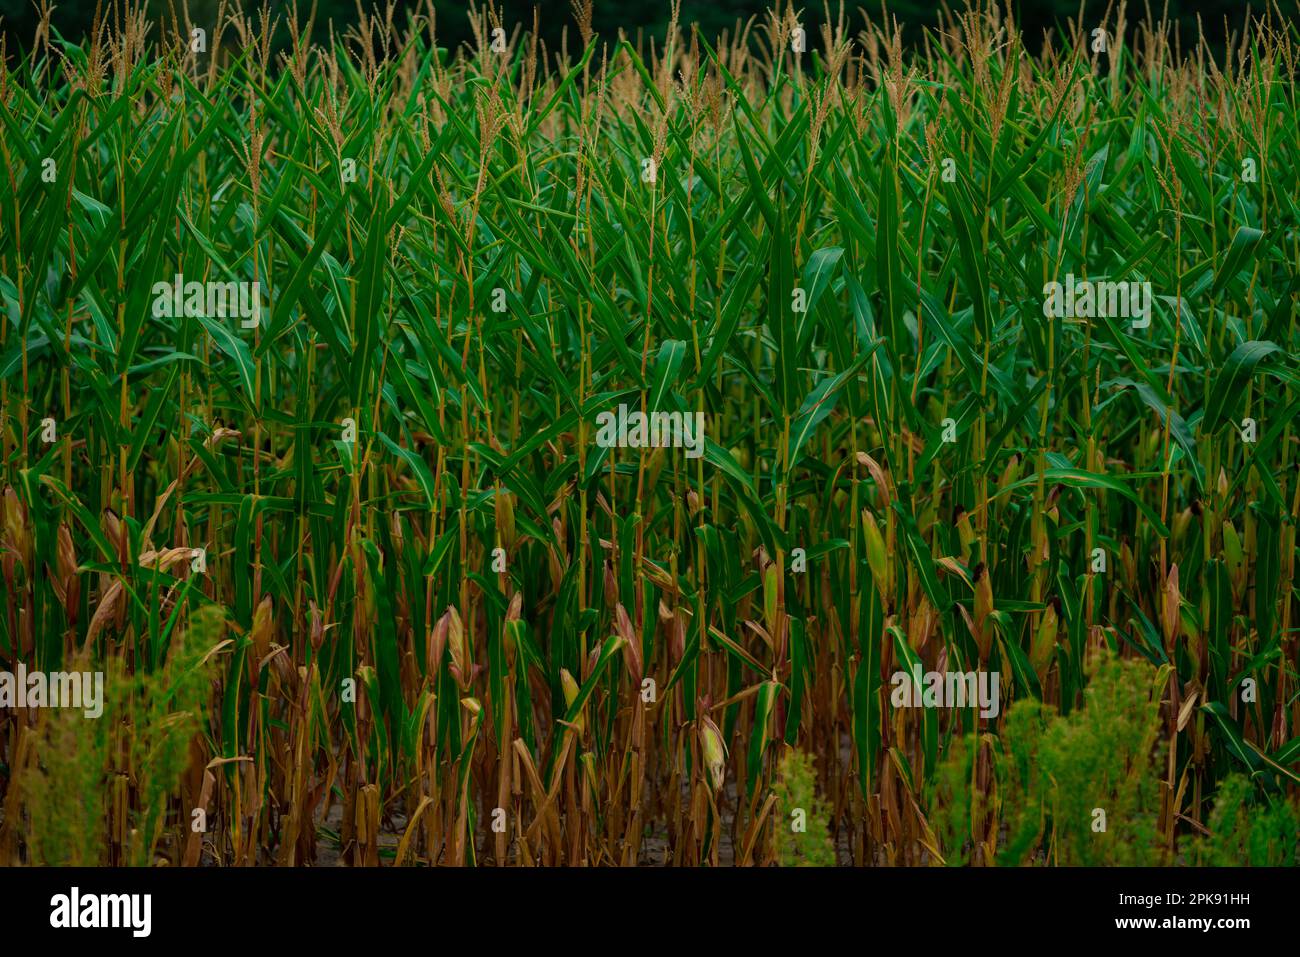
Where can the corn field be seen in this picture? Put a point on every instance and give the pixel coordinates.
(515, 456)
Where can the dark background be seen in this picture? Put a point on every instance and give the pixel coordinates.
(642, 19)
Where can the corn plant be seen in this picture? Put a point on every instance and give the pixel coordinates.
(518, 450)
